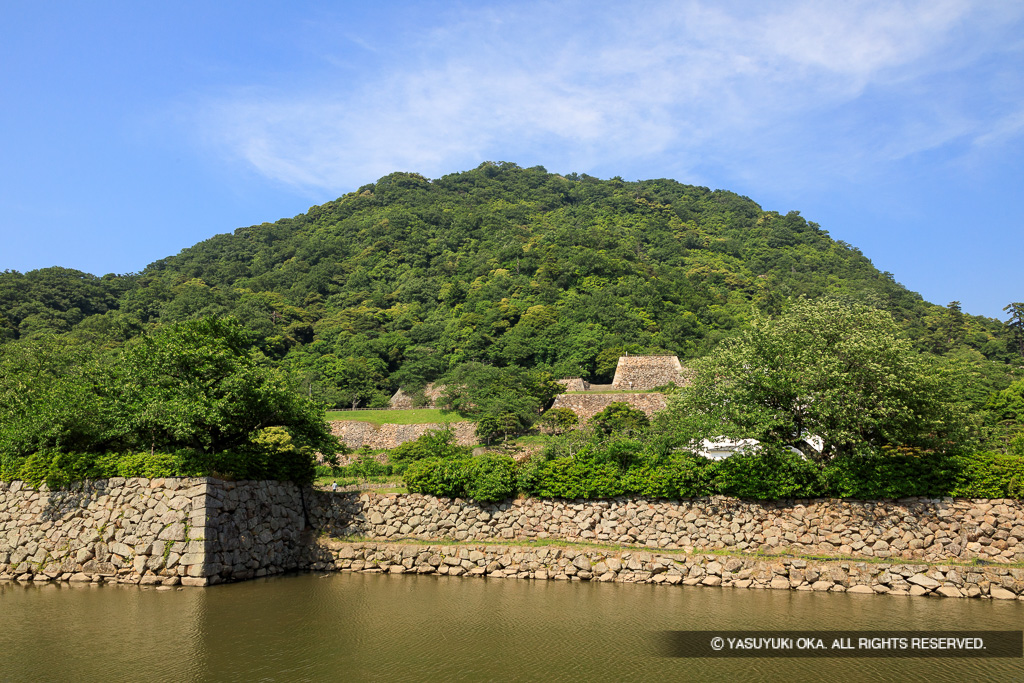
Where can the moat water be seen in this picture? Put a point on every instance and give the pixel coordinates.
(428, 628)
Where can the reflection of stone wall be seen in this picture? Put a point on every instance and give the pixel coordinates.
(642, 373)
(587, 406)
(403, 401)
(358, 434)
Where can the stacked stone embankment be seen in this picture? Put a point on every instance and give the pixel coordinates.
(642, 373)
(201, 531)
(929, 530)
(669, 569)
(588, 405)
(356, 434)
(191, 531)
(404, 401)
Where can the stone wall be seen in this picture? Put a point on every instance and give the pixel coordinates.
(358, 434)
(191, 531)
(254, 528)
(642, 373)
(574, 384)
(403, 401)
(918, 529)
(669, 569)
(588, 405)
(201, 531)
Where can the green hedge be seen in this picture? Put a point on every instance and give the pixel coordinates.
(487, 478)
(59, 468)
(768, 474)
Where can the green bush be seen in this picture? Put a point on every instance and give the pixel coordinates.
(487, 478)
(768, 473)
(990, 475)
(437, 477)
(892, 473)
(491, 478)
(575, 478)
(437, 443)
(681, 475)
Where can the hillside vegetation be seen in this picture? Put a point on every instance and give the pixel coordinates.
(494, 281)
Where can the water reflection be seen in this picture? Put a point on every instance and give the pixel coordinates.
(376, 627)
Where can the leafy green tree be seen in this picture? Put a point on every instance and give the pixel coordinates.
(194, 388)
(502, 400)
(1015, 325)
(620, 418)
(838, 372)
(352, 380)
(196, 385)
(558, 420)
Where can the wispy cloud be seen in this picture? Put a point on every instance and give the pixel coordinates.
(577, 88)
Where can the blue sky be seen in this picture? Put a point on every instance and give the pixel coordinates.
(130, 130)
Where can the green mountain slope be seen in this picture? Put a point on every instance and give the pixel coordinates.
(406, 278)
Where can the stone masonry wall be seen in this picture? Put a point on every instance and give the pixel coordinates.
(642, 373)
(574, 384)
(587, 406)
(403, 401)
(915, 529)
(202, 531)
(191, 531)
(358, 434)
(669, 569)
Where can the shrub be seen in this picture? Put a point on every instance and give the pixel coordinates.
(620, 418)
(892, 473)
(575, 478)
(681, 475)
(436, 443)
(768, 473)
(991, 475)
(437, 477)
(491, 478)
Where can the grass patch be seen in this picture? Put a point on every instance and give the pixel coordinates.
(396, 417)
(532, 440)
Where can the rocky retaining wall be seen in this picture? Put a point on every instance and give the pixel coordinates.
(920, 529)
(358, 434)
(642, 373)
(670, 569)
(191, 531)
(587, 406)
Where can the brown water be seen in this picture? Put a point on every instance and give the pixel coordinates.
(429, 628)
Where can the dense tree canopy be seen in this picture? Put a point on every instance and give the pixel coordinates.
(410, 278)
(828, 378)
(493, 281)
(194, 389)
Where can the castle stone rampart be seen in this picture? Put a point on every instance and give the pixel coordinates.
(643, 373)
(358, 434)
(588, 405)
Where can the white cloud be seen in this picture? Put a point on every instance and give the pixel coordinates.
(579, 88)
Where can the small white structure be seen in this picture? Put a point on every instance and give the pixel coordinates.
(722, 447)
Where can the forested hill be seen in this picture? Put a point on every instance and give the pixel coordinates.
(407, 277)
